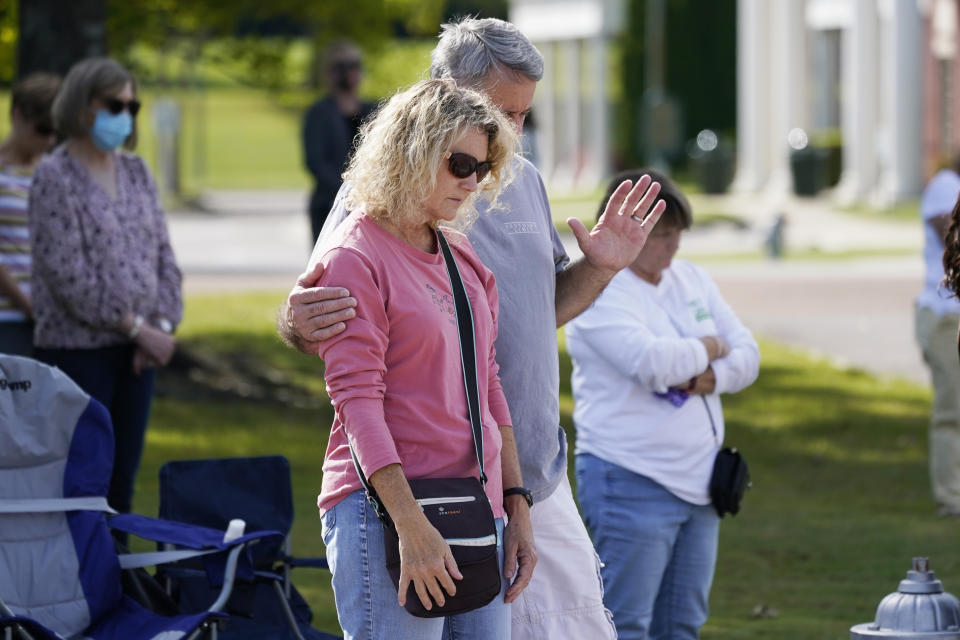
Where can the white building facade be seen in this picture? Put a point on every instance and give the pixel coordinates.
(855, 66)
(571, 105)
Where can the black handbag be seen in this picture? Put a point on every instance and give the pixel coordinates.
(457, 507)
(730, 478)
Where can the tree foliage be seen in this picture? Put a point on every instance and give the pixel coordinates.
(8, 40)
(259, 33)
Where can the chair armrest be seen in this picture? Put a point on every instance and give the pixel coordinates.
(194, 541)
(181, 534)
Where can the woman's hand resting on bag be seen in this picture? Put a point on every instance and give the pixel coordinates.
(425, 558)
(427, 561)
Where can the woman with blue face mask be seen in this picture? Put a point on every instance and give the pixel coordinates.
(105, 283)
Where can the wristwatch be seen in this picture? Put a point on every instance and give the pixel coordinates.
(520, 491)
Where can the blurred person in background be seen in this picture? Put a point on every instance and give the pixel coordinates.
(936, 317)
(650, 359)
(106, 288)
(31, 136)
(951, 259)
(330, 126)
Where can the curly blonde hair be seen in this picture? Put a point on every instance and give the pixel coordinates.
(394, 169)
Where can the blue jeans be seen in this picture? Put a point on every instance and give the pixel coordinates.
(367, 599)
(658, 551)
(107, 375)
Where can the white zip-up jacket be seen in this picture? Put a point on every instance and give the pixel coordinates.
(638, 339)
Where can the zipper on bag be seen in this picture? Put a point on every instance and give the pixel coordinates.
(426, 502)
(472, 542)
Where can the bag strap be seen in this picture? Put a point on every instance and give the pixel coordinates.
(713, 427)
(468, 350)
(468, 360)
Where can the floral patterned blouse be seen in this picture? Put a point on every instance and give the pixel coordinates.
(95, 257)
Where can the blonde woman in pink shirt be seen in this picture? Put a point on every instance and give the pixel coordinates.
(395, 374)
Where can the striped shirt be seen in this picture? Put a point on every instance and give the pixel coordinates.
(14, 235)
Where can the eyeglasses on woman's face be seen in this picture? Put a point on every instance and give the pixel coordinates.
(462, 165)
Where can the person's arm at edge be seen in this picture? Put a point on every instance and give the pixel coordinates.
(9, 289)
(519, 549)
(940, 223)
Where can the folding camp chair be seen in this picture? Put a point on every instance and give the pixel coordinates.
(209, 493)
(60, 576)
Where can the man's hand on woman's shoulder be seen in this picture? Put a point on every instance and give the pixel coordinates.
(312, 314)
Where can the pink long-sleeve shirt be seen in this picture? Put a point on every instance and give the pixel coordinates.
(395, 373)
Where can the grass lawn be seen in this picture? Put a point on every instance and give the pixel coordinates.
(840, 501)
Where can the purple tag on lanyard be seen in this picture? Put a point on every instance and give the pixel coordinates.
(675, 396)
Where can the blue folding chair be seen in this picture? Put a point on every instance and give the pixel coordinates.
(259, 491)
(60, 576)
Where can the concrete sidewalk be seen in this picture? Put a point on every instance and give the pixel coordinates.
(857, 311)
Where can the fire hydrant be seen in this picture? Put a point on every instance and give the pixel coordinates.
(919, 609)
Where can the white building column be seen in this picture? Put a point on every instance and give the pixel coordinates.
(545, 107)
(860, 99)
(787, 82)
(567, 134)
(596, 162)
(901, 132)
(752, 109)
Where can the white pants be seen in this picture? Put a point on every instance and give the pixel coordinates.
(565, 596)
(937, 336)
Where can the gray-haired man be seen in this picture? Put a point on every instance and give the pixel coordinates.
(539, 291)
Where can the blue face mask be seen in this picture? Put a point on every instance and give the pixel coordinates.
(109, 131)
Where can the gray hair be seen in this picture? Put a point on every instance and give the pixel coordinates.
(469, 49)
(86, 80)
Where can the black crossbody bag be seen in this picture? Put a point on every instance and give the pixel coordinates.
(730, 478)
(457, 507)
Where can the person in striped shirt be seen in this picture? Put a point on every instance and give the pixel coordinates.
(31, 135)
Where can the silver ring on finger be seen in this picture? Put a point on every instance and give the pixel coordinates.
(637, 218)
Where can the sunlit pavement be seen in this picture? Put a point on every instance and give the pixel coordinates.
(858, 311)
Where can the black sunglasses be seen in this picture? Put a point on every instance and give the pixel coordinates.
(115, 106)
(462, 165)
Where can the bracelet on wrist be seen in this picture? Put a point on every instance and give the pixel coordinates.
(135, 328)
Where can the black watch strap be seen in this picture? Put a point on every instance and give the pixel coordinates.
(520, 491)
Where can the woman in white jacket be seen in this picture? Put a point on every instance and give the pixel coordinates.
(651, 358)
